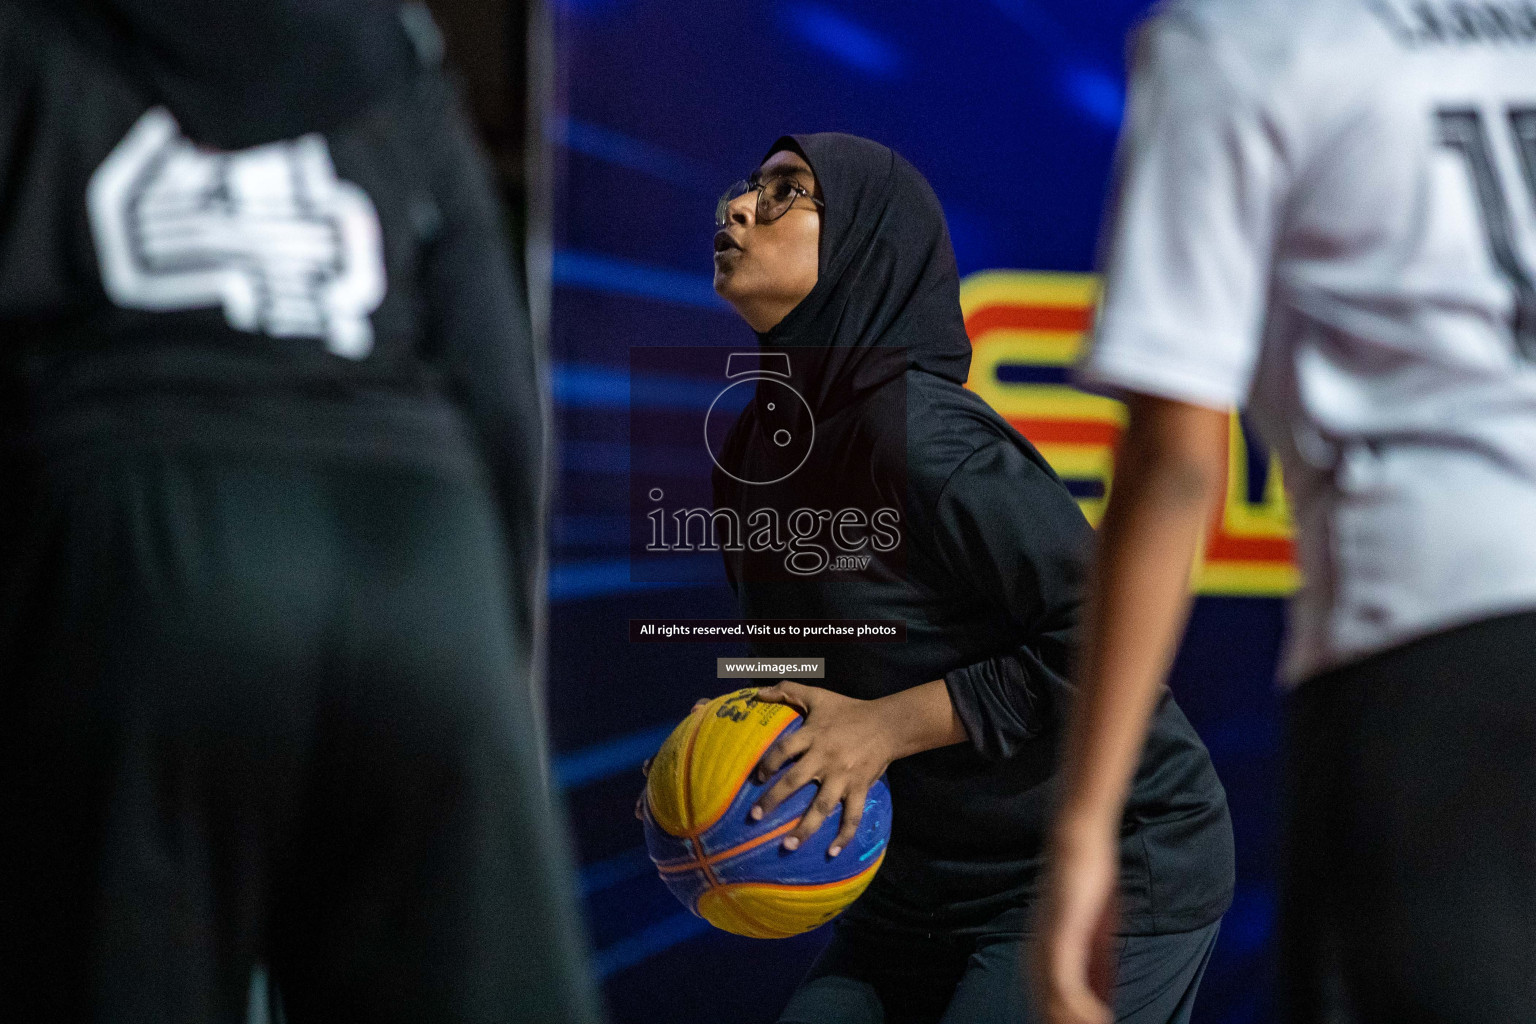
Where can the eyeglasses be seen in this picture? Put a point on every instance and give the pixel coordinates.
(774, 198)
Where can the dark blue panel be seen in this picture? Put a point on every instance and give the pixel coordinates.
(1024, 373)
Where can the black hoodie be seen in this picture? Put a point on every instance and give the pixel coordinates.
(239, 74)
(988, 574)
(451, 378)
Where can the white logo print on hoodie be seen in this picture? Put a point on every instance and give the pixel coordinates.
(268, 233)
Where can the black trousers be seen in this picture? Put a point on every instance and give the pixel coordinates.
(1409, 892)
(262, 712)
(869, 976)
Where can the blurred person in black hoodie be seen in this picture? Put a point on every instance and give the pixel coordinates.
(271, 507)
(836, 253)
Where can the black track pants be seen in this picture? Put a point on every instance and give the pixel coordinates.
(260, 712)
(866, 976)
(1409, 894)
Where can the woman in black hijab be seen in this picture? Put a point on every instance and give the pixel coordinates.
(837, 255)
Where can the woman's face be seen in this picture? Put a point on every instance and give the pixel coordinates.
(764, 270)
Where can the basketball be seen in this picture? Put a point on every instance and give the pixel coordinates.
(725, 867)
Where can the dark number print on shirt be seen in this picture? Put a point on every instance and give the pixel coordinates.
(1462, 129)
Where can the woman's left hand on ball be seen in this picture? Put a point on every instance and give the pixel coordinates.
(845, 745)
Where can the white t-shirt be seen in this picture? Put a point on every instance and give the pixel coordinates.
(1326, 210)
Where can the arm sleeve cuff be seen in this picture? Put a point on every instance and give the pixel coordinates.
(1141, 365)
(1003, 702)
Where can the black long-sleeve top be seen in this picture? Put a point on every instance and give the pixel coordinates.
(988, 582)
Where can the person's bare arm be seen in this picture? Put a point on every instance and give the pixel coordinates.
(1168, 474)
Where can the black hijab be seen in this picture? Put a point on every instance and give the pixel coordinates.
(239, 73)
(887, 278)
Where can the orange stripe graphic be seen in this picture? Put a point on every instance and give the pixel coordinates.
(673, 867)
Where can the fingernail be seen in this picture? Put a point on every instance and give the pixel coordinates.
(791, 843)
(757, 814)
(834, 851)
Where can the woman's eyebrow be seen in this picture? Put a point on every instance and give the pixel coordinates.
(782, 171)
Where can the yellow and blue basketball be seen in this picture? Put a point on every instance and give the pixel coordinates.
(727, 868)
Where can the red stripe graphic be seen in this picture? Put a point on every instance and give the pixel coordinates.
(1028, 318)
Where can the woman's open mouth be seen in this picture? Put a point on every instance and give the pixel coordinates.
(725, 243)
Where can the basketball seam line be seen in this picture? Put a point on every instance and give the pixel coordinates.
(742, 780)
(730, 897)
(675, 866)
(687, 772)
(726, 893)
(695, 842)
(695, 831)
(725, 888)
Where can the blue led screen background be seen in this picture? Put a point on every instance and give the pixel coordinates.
(1010, 107)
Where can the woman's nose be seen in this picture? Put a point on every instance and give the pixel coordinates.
(743, 209)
